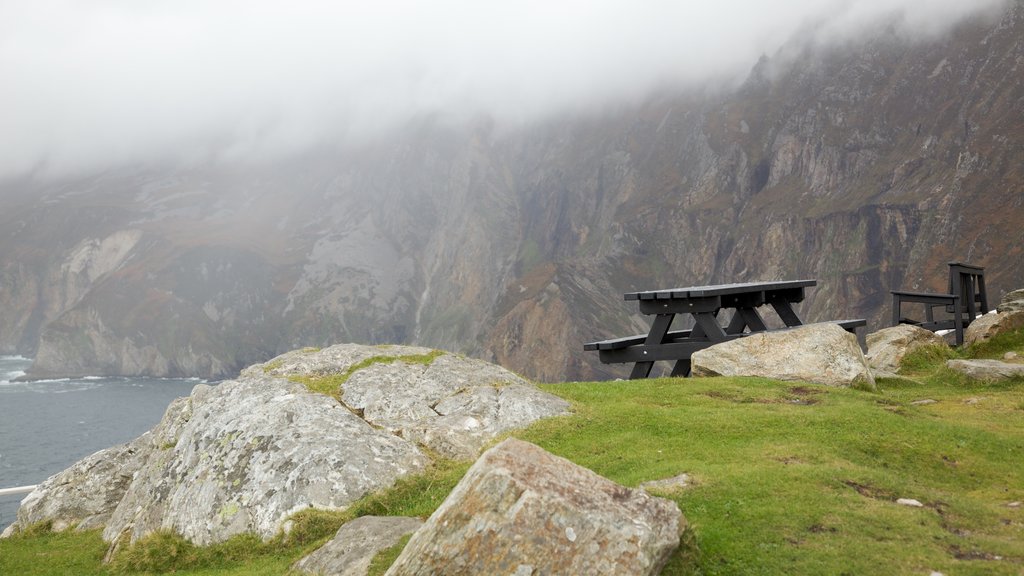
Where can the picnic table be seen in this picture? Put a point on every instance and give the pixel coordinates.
(704, 305)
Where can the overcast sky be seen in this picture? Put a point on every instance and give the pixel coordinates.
(87, 84)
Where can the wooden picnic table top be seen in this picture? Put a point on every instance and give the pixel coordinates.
(717, 290)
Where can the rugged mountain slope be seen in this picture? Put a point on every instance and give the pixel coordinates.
(867, 165)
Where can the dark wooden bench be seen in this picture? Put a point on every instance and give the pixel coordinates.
(965, 299)
(627, 341)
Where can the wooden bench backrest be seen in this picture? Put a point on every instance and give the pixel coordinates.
(968, 282)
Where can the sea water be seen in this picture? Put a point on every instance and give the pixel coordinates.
(47, 425)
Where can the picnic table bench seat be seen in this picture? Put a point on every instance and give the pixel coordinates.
(850, 325)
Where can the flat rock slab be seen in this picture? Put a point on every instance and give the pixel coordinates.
(522, 510)
(355, 545)
(822, 353)
(987, 370)
(888, 346)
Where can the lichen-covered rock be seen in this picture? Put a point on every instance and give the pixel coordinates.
(254, 452)
(522, 510)
(987, 370)
(888, 346)
(452, 405)
(991, 325)
(355, 544)
(86, 494)
(822, 353)
(1012, 301)
(244, 455)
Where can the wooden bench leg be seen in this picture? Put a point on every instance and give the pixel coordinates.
(895, 309)
(641, 370)
(958, 327)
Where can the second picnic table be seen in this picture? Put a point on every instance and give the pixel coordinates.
(704, 304)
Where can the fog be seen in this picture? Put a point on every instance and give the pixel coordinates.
(90, 84)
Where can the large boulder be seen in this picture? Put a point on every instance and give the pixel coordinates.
(991, 325)
(522, 510)
(1012, 301)
(450, 404)
(355, 545)
(987, 370)
(823, 353)
(888, 346)
(244, 455)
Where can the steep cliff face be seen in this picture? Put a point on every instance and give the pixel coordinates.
(867, 165)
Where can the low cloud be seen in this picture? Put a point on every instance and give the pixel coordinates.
(89, 84)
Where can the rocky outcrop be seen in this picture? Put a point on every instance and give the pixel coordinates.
(1011, 302)
(987, 370)
(450, 404)
(991, 325)
(242, 456)
(888, 346)
(822, 353)
(85, 495)
(355, 544)
(521, 510)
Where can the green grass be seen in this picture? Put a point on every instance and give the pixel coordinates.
(332, 384)
(788, 478)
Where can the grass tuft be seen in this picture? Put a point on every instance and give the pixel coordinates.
(331, 384)
(386, 557)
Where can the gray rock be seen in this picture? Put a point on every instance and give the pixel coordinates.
(87, 494)
(1012, 301)
(355, 544)
(991, 325)
(452, 405)
(520, 509)
(888, 346)
(244, 455)
(83, 495)
(987, 370)
(668, 484)
(822, 353)
(254, 452)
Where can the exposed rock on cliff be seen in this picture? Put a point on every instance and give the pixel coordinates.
(866, 165)
(244, 455)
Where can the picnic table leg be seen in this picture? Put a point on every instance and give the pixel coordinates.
(659, 329)
(707, 322)
(737, 324)
(752, 319)
(681, 368)
(788, 316)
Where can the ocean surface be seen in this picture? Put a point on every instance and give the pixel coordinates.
(48, 425)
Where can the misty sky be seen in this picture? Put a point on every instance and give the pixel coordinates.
(89, 84)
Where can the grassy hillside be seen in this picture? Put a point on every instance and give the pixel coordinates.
(788, 478)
